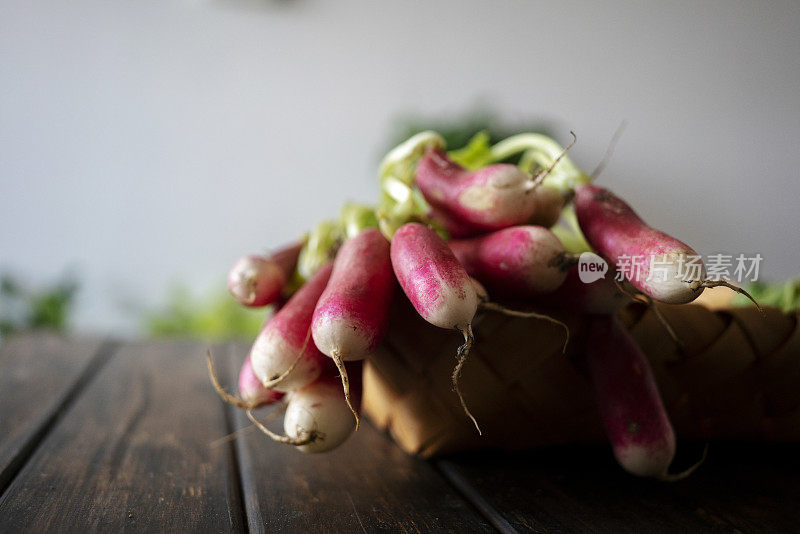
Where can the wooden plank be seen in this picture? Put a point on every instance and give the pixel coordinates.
(133, 453)
(742, 487)
(367, 484)
(40, 374)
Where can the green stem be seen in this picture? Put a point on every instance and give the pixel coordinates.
(401, 202)
(569, 232)
(544, 151)
(356, 217)
(323, 240)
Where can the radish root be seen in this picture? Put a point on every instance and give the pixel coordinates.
(648, 301)
(493, 306)
(280, 378)
(233, 435)
(725, 283)
(227, 397)
(337, 359)
(462, 354)
(305, 437)
(539, 178)
(609, 151)
(666, 477)
(565, 261)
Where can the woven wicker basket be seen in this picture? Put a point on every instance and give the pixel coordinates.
(738, 377)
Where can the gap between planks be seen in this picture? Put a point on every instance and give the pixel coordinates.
(101, 357)
(229, 372)
(450, 473)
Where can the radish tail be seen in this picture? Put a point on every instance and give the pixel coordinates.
(666, 325)
(307, 437)
(725, 283)
(337, 359)
(233, 435)
(227, 397)
(537, 181)
(648, 301)
(463, 353)
(493, 306)
(666, 477)
(609, 151)
(565, 261)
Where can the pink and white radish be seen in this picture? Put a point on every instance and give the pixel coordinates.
(627, 397)
(657, 264)
(352, 314)
(258, 280)
(628, 400)
(316, 419)
(490, 198)
(519, 262)
(252, 393)
(284, 356)
(437, 285)
(516, 263)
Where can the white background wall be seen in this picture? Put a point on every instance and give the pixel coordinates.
(149, 142)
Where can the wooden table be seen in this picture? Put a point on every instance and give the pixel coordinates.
(102, 435)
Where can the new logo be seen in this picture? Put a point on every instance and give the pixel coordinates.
(591, 267)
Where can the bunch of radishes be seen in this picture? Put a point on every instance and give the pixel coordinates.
(447, 226)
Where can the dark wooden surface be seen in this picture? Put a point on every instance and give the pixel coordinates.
(39, 376)
(104, 436)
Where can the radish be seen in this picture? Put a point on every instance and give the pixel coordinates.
(547, 206)
(628, 400)
(519, 262)
(490, 198)
(516, 263)
(352, 313)
(258, 280)
(316, 419)
(438, 287)
(252, 393)
(676, 273)
(283, 355)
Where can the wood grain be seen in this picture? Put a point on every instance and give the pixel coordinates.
(40, 374)
(133, 453)
(741, 487)
(128, 448)
(367, 484)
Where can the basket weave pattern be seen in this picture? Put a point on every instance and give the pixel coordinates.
(737, 377)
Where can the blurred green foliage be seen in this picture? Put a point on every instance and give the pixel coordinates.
(782, 295)
(24, 309)
(215, 317)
